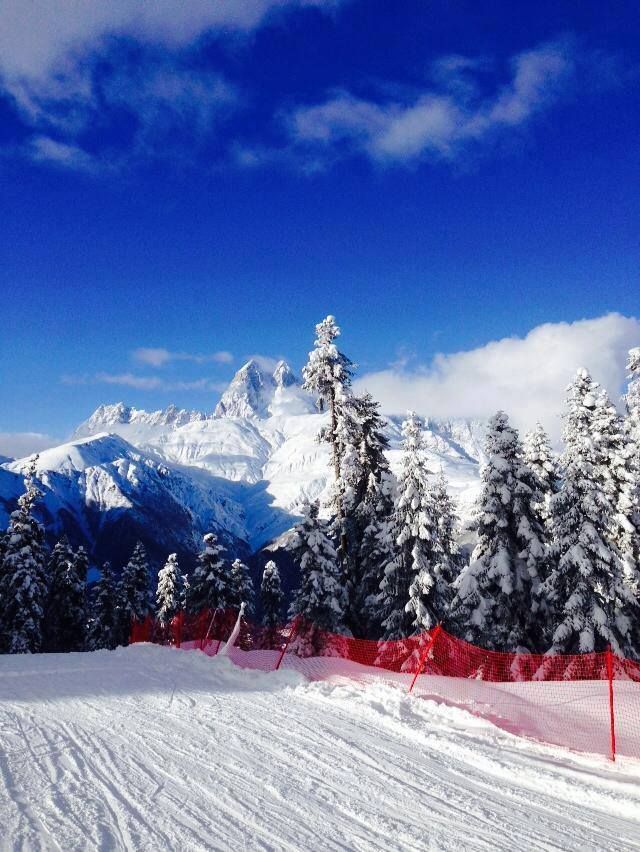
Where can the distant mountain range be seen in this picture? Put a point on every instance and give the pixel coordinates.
(167, 477)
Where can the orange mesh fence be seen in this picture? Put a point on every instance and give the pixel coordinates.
(585, 702)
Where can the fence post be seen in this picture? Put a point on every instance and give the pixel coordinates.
(612, 721)
(203, 641)
(292, 633)
(423, 659)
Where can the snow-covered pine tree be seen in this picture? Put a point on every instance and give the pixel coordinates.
(350, 482)
(410, 596)
(363, 485)
(615, 469)
(328, 374)
(271, 595)
(321, 598)
(242, 586)
(347, 493)
(591, 603)
(135, 597)
(366, 489)
(448, 561)
(497, 593)
(375, 517)
(537, 453)
(327, 371)
(104, 626)
(78, 621)
(211, 586)
(58, 566)
(65, 623)
(169, 591)
(23, 586)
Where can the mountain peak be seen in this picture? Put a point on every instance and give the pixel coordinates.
(256, 392)
(283, 375)
(249, 393)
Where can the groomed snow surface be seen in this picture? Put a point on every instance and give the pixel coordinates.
(157, 748)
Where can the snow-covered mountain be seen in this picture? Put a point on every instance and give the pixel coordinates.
(168, 476)
(106, 494)
(255, 392)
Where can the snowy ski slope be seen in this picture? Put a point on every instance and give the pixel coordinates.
(155, 748)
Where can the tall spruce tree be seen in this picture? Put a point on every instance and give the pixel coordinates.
(104, 625)
(376, 550)
(321, 598)
(168, 593)
(497, 593)
(409, 598)
(363, 486)
(58, 567)
(591, 603)
(328, 374)
(210, 583)
(135, 597)
(271, 595)
(615, 454)
(447, 526)
(23, 585)
(242, 586)
(366, 488)
(431, 591)
(65, 625)
(79, 611)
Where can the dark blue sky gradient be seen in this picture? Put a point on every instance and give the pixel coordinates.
(198, 254)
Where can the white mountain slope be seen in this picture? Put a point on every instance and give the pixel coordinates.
(247, 474)
(105, 493)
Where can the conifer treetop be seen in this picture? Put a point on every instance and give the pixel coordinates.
(326, 367)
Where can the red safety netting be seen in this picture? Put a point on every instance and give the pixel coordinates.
(586, 702)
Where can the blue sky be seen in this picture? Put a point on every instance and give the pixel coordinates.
(211, 179)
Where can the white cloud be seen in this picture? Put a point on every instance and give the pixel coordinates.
(36, 37)
(526, 377)
(158, 357)
(144, 383)
(45, 149)
(166, 102)
(444, 119)
(16, 445)
(64, 67)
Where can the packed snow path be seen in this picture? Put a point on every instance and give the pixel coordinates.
(154, 748)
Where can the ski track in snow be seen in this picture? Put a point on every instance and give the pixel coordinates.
(153, 748)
